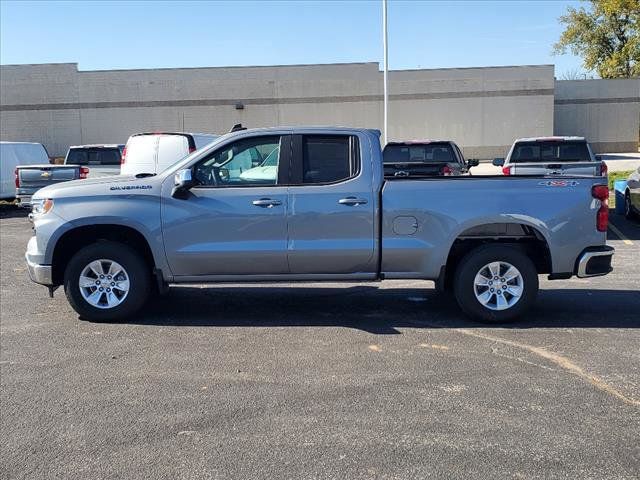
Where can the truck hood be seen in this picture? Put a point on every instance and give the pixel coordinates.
(113, 185)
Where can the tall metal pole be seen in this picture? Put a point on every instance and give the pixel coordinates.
(386, 70)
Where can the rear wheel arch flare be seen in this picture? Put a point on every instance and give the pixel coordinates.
(521, 235)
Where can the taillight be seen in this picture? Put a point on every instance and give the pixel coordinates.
(506, 170)
(123, 157)
(601, 192)
(17, 178)
(84, 172)
(604, 170)
(446, 171)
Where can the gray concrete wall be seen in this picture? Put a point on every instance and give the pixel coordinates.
(606, 112)
(482, 109)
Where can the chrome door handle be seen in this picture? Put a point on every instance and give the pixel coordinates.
(352, 201)
(266, 202)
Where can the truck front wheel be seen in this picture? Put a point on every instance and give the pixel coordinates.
(495, 283)
(107, 281)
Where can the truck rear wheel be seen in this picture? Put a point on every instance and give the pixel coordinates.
(107, 281)
(495, 283)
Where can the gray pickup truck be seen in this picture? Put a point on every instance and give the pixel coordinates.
(31, 178)
(321, 211)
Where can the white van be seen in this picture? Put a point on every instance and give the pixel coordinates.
(13, 154)
(153, 152)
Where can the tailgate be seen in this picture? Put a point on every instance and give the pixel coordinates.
(555, 168)
(39, 176)
(103, 171)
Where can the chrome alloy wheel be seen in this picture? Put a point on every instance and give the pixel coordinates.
(498, 285)
(104, 284)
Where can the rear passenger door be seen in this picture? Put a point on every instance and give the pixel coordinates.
(331, 221)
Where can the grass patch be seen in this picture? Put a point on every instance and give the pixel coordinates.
(615, 176)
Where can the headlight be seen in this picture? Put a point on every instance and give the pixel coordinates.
(40, 207)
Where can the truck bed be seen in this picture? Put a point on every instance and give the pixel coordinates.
(421, 218)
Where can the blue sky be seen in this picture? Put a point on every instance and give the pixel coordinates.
(149, 34)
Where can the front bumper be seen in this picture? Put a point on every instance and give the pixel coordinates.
(594, 262)
(40, 273)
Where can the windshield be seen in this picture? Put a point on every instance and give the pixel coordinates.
(426, 153)
(530, 152)
(93, 156)
(185, 160)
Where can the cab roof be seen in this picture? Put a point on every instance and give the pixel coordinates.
(552, 139)
(99, 145)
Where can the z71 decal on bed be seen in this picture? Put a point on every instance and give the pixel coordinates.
(559, 183)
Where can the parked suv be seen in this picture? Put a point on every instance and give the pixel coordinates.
(102, 160)
(424, 158)
(153, 152)
(551, 156)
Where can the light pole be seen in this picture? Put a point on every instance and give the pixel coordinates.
(386, 70)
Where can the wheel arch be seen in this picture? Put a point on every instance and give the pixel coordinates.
(522, 235)
(77, 237)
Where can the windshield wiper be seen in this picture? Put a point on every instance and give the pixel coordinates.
(145, 175)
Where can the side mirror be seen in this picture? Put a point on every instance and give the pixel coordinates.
(473, 163)
(183, 181)
(498, 162)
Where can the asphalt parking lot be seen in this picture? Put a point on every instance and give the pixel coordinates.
(322, 381)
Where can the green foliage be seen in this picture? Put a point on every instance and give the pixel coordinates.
(606, 36)
(615, 176)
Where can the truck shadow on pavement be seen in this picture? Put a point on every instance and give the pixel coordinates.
(629, 228)
(374, 310)
(9, 210)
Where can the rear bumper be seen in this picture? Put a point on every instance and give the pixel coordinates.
(594, 262)
(24, 201)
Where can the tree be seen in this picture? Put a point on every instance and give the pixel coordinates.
(575, 74)
(606, 36)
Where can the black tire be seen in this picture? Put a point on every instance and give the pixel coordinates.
(628, 208)
(137, 270)
(473, 262)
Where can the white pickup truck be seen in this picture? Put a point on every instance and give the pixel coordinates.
(551, 156)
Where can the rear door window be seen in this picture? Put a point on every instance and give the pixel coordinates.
(329, 158)
(94, 156)
(531, 152)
